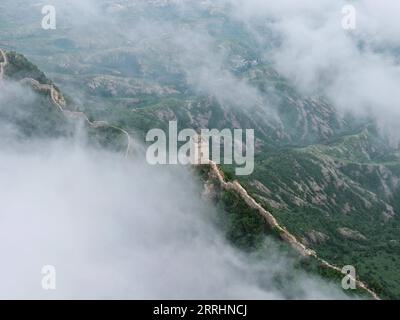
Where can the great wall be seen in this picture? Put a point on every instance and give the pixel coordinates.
(270, 220)
(215, 171)
(59, 102)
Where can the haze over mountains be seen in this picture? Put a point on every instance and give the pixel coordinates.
(113, 227)
(323, 104)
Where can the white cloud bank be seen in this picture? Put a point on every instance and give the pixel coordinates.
(122, 229)
(357, 70)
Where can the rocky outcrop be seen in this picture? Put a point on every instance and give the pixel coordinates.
(351, 234)
(317, 237)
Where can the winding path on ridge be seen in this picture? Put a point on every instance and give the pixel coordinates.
(59, 102)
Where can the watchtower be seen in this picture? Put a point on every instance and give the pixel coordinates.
(200, 150)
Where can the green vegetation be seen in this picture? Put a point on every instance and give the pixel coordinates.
(19, 67)
(35, 116)
(244, 227)
(315, 171)
(331, 186)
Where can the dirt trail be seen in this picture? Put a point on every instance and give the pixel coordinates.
(58, 100)
(273, 224)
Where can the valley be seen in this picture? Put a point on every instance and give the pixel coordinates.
(325, 180)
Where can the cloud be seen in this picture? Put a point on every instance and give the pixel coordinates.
(358, 70)
(159, 39)
(122, 229)
(116, 229)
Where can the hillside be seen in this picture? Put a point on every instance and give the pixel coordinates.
(38, 109)
(329, 178)
(242, 218)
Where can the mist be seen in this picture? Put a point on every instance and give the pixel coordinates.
(357, 70)
(117, 228)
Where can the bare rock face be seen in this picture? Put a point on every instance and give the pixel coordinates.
(316, 237)
(351, 234)
(120, 87)
(389, 213)
(210, 192)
